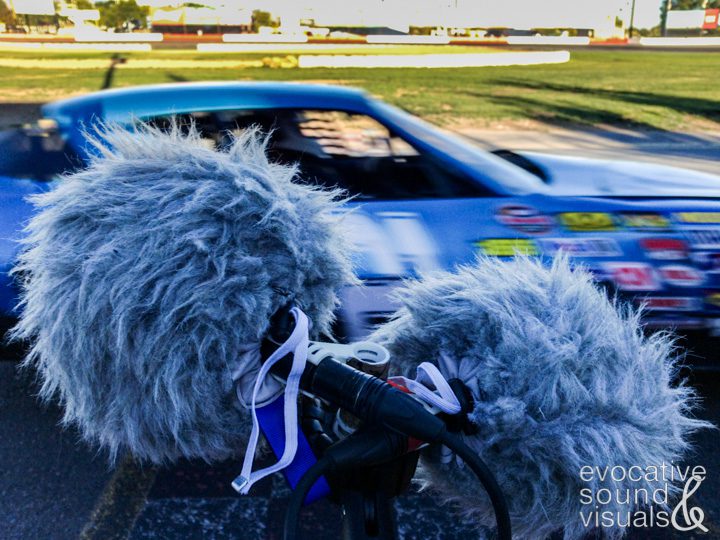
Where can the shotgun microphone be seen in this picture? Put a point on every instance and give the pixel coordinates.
(149, 280)
(558, 376)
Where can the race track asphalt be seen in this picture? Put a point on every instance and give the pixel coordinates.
(54, 487)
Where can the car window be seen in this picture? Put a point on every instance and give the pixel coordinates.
(339, 149)
(35, 154)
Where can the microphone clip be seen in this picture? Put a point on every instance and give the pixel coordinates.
(461, 422)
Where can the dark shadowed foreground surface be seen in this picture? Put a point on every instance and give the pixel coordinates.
(53, 487)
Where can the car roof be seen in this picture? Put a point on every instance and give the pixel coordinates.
(73, 116)
(159, 99)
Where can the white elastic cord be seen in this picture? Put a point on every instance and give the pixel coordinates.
(244, 375)
(297, 343)
(431, 387)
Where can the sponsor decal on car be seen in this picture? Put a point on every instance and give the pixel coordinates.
(713, 299)
(524, 219)
(664, 249)
(681, 323)
(507, 247)
(645, 221)
(709, 261)
(588, 221)
(632, 276)
(679, 275)
(581, 247)
(669, 303)
(704, 238)
(698, 218)
(714, 326)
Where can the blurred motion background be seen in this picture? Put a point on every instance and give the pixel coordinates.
(611, 79)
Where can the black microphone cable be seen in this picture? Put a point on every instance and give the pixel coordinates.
(366, 447)
(292, 515)
(393, 416)
(502, 516)
(378, 445)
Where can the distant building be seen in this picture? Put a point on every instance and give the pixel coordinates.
(209, 20)
(206, 16)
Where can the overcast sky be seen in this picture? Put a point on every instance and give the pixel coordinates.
(483, 13)
(647, 13)
(515, 13)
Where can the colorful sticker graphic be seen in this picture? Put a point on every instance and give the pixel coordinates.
(669, 303)
(698, 218)
(581, 247)
(687, 323)
(588, 221)
(631, 276)
(507, 247)
(679, 275)
(703, 238)
(664, 249)
(709, 261)
(524, 219)
(713, 299)
(645, 221)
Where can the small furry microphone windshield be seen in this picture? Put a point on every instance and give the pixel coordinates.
(561, 378)
(148, 276)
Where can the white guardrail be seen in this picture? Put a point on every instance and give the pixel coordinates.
(264, 38)
(547, 40)
(110, 47)
(526, 58)
(680, 41)
(401, 39)
(110, 37)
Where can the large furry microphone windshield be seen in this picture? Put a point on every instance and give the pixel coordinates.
(147, 276)
(561, 378)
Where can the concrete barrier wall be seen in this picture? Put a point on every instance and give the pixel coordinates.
(547, 40)
(109, 37)
(264, 38)
(433, 60)
(680, 41)
(408, 40)
(90, 47)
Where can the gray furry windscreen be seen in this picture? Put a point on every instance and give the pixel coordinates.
(145, 276)
(562, 377)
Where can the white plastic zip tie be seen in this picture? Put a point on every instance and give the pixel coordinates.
(431, 387)
(297, 343)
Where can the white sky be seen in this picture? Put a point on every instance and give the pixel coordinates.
(513, 13)
(647, 13)
(516, 13)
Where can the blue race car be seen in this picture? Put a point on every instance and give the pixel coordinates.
(424, 199)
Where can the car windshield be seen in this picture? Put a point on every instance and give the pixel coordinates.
(35, 154)
(335, 148)
(494, 170)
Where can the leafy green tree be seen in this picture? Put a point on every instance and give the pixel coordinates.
(84, 4)
(121, 14)
(7, 16)
(688, 4)
(262, 18)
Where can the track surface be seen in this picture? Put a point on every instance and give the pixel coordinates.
(54, 487)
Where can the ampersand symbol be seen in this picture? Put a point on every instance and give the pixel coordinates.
(693, 516)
